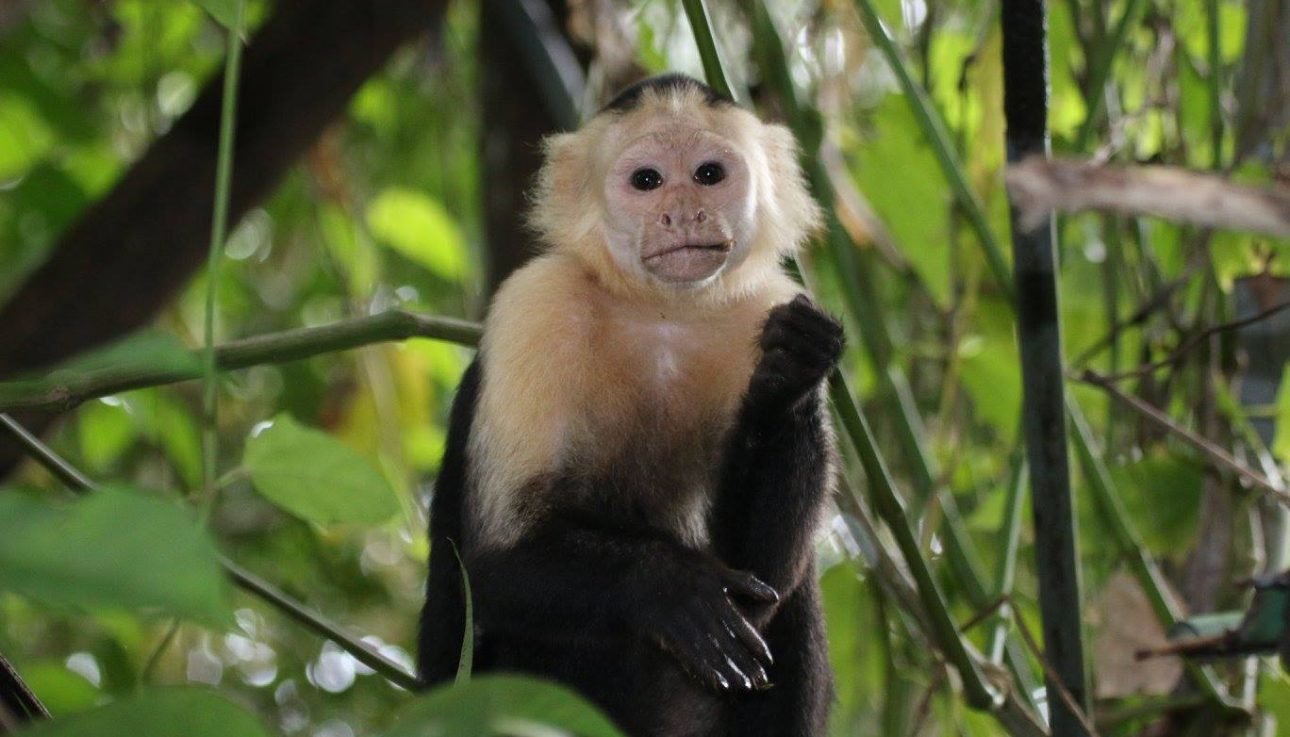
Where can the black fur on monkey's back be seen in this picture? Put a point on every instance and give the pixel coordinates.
(657, 631)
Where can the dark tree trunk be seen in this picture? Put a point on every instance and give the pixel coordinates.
(130, 252)
(515, 120)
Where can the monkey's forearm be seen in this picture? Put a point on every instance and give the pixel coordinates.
(774, 483)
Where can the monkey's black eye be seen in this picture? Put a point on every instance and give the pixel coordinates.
(646, 179)
(710, 173)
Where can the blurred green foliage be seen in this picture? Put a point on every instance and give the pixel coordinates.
(386, 212)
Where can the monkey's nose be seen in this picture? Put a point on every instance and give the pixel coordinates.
(680, 217)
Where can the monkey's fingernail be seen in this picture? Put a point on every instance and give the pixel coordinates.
(721, 681)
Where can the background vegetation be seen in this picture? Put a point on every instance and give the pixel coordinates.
(315, 471)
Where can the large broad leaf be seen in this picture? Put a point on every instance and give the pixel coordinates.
(418, 227)
(316, 477)
(117, 549)
(503, 705)
(1281, 441)
(1162, 495)
(161, 712)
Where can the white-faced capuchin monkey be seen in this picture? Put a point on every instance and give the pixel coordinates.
(639, 456)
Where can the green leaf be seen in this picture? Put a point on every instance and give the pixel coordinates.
(116, 549)
(316, 477)
(25, 139)
(418, 227)
(897, 168)
(1162, 495)
(159, 712)
(61, 690)
(516, 706)
(105, 430)
(1281, 441)
(224, 11)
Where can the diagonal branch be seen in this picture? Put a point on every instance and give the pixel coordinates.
(1040, 187)
(1215, 454)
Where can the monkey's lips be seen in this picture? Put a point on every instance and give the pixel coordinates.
(687, 262)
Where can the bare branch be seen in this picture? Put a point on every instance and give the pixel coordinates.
(1039, 187)
(1215, 454)
(1181, 351)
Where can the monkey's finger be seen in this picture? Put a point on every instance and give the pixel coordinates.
(747, 586)
(691, 646)
(745, 657)
(748, 635)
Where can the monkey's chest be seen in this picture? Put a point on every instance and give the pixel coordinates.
(654, 433)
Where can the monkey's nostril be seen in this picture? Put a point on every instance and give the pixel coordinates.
(665, 220)
(700, 216)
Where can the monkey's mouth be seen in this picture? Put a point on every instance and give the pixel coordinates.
(689, 262)
(721, 247)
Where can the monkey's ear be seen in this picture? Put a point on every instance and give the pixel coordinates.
(794, 214)
(562, 197)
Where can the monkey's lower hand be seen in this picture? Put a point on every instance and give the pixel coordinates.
(694, 617)
(800, 345)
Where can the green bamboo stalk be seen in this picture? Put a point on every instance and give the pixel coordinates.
(1152, 584)
(697, 13)
(62, 390)
(219, 228)
(854, 269)
(939, 140)
(1095, 98)
(1214, 35)
(78, 482)
(882, 495)
(1039, 337)
(1006, 570)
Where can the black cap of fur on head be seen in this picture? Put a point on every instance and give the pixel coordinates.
(626, 100)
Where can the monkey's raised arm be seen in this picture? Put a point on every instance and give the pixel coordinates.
(775, 475)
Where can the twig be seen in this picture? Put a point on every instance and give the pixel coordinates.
(1180, 195)
(1182, 349)
(1062, 692)
(1157, 301)
(1209, 450)
(64, 393)
(247, 581)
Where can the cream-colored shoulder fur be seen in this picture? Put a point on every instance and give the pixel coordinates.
(573, 374)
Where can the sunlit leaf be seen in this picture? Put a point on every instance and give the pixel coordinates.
(316, 477)
(515, 706)
(117, 549)
(105, 431)
(1281, 441)
(24, 136)
(61, 690)
(897, 168)
(159, 712)
(417, 226)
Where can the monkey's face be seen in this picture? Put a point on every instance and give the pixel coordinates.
(679, 205)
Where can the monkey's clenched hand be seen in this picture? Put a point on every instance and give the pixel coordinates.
(694, 617)
(800, 345)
